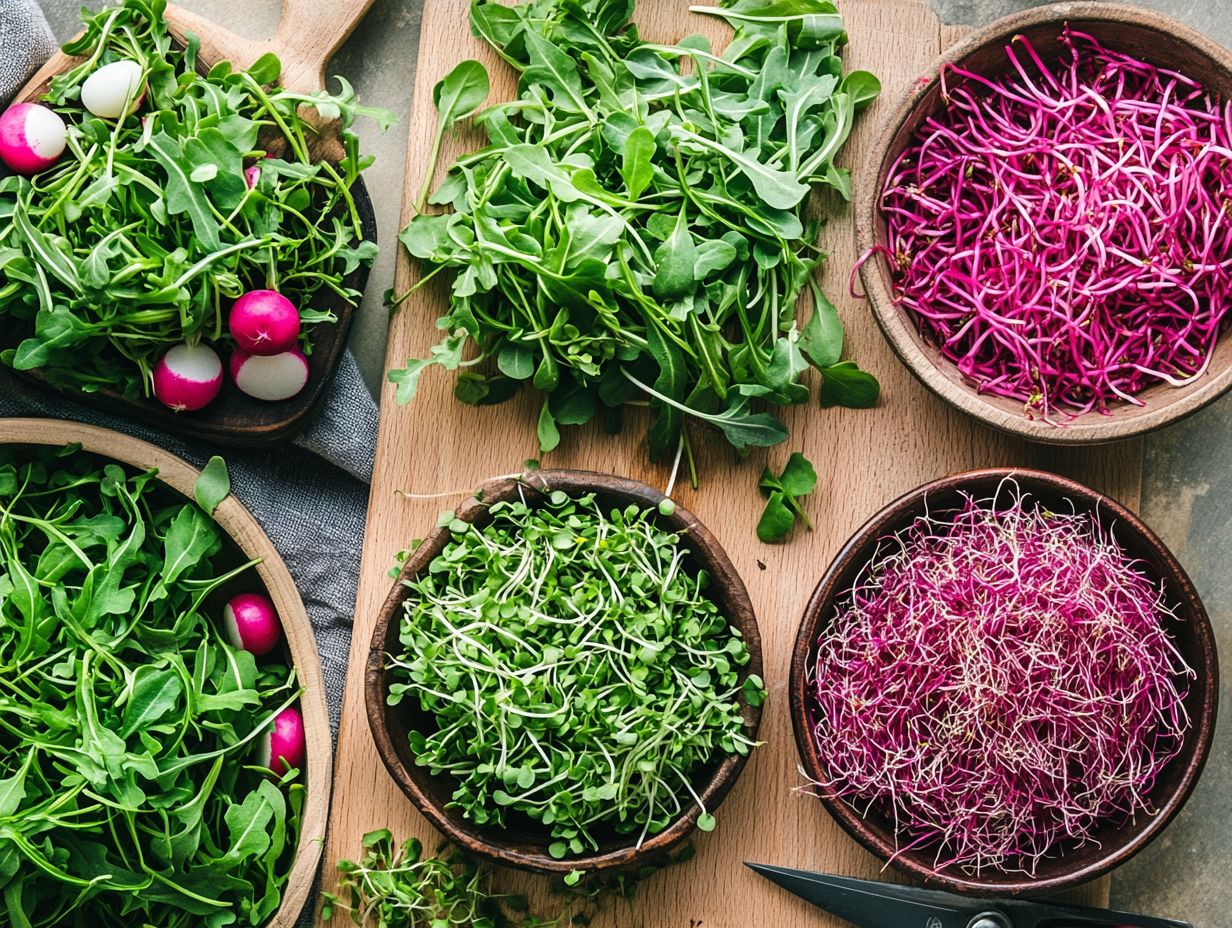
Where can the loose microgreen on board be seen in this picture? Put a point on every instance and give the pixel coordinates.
(637, 228)
(575, 671)
(783, 494)
(146, 231)
(129, 793)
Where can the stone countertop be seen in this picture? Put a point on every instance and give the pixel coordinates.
(1187, 468)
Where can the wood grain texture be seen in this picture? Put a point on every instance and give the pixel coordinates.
(307, 36)
(244, 530)
(865, 458)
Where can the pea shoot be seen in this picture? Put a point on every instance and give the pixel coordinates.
(578, 672)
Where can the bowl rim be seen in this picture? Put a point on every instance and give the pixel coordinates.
(901, 333)
(247, 534)
(730, 594)
(1205, 664)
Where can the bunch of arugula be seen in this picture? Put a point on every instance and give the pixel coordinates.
(637, 228)
(577, 673)
(146, 230)
(126, 720)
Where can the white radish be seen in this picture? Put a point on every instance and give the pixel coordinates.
(32, 137)
(264, 322)
(188, 378)
(252, 623)
(282, 747)
(114, 90)
(271, 378)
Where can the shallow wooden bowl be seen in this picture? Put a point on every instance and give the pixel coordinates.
(1192, 634)
(525, 846)
(1143, 33)
(308, 34)
(252, 542)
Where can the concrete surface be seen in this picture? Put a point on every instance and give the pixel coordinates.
(1187, 476)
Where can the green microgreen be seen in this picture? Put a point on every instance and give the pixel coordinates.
(578, 673)
(783, 495)
(637, 230)
(129, 793)
(145, 232)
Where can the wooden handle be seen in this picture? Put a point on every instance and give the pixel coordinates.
(308, 34)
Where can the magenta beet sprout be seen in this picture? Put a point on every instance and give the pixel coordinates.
(1062, 233)
(999, 683)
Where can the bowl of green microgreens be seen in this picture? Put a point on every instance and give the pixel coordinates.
(566, 677)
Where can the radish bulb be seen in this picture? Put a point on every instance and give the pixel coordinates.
(252, 623)
(32, 138)
(264, 322)
(114, 90)
(274, 378)
(188, 378)
(282, 747)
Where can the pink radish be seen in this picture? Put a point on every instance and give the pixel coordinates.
(252, 623)
(187, 378)
(264, 322)
(282, 747)
(32, 138)
(273, 378)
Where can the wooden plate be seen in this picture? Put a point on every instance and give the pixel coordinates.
(1142, 33)
(526, 848)
(308, 34)
(244, 531)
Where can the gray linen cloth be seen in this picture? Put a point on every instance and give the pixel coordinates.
(311, 497)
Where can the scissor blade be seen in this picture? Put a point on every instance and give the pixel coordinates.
(869, 904)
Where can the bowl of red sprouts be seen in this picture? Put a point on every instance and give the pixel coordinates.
(1044, 223)
(1005, 683)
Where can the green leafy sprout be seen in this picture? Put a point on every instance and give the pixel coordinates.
(146, 230)
(129, 793)
(638, 229)
(783, 495)
(576, 671)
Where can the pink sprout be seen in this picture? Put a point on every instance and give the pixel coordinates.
(1000, 684)
(1062, 233)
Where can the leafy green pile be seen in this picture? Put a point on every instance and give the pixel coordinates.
(399, 887)
(126, 720)
(577, 672)
(146, 230)
(637, 228)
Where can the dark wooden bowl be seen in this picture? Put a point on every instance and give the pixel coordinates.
(526, 846)
(1145, 34)
(1192, 633)
(235, 419)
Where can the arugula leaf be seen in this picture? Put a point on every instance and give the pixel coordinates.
(783, 494)
(213, 486)
(457, 96)
(844, 384)
(637, 167)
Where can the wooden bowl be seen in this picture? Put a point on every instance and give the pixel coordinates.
(1145, 34)
(235, 419)
(252, 542)
(1192, 633)
(525, 846)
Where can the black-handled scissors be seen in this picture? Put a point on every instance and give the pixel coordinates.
(870, 904)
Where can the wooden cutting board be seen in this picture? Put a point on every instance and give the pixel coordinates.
(865, 459)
